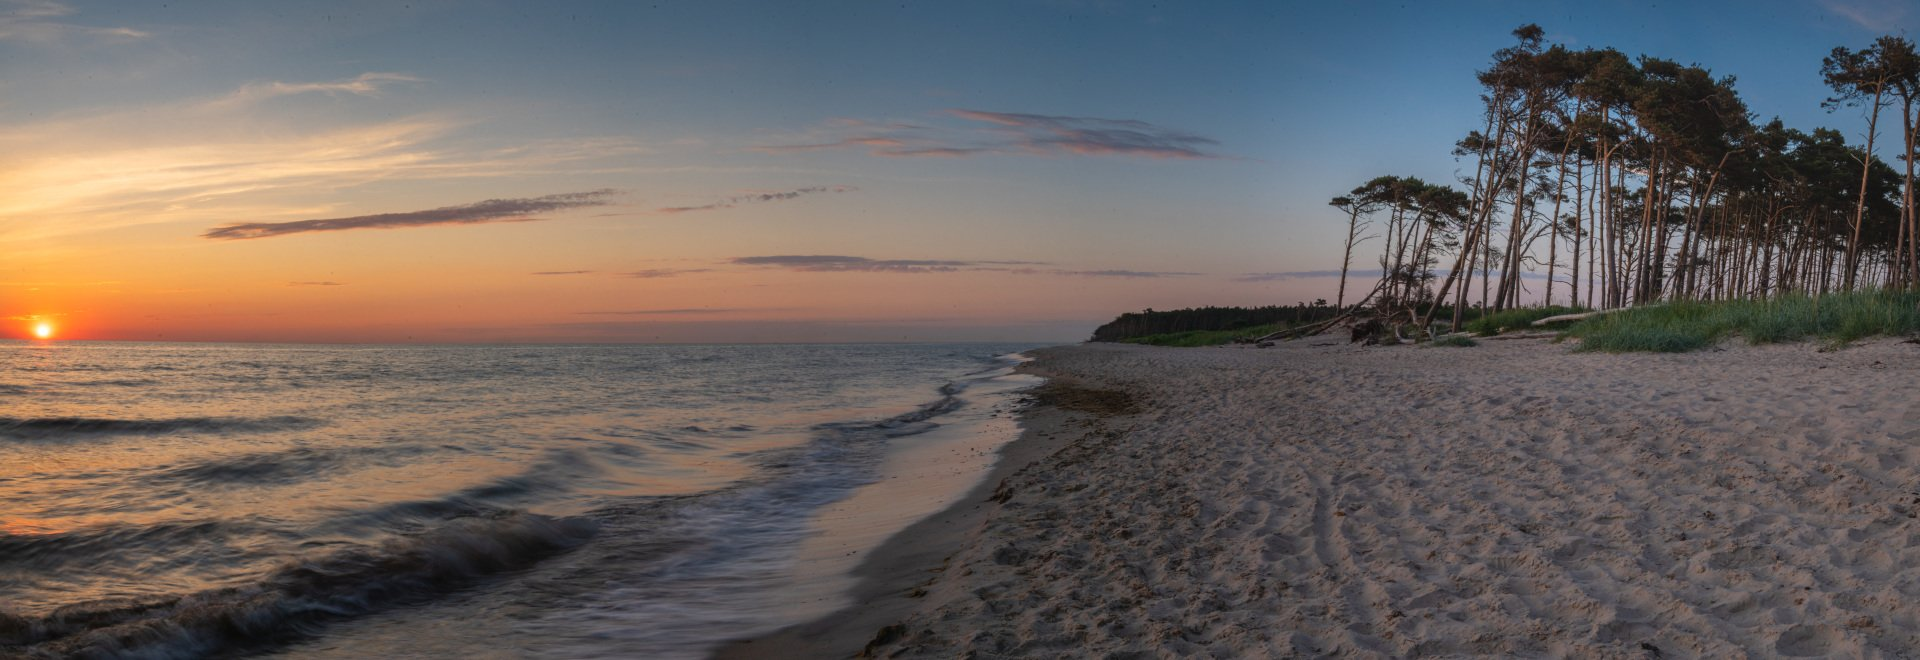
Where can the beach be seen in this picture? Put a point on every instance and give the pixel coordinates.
(1511, 498)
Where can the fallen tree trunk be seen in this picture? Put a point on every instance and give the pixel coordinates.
(1585, 315)
(1524, 335)
(1305, 330)
(1317, 328)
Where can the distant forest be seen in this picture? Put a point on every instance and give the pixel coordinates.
(1635, 180)
(1134, 325)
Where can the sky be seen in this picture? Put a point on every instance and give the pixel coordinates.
(754, 172)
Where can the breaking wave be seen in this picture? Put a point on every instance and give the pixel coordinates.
(299, 598)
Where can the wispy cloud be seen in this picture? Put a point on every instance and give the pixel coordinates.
(983, 132)
(655, 273)
(660, 312)
(489, 211)
(1094, 136)
(226, 159)
(35, 21)
(856, 141)
(1285, 276)
(1118, 273)
(829, 263)
(1875, 15)
(322, 283)
(564, 272)
(758, 197)
(365, 84)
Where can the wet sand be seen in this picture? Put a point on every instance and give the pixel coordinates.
(1511, 498)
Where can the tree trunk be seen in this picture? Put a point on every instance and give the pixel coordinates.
(1353, 229)
(1860, 203)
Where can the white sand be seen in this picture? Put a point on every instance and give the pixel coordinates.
(1510, 498)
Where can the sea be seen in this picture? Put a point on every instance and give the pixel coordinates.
(168, 500)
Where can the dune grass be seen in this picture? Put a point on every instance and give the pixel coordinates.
(1515, 319)
(1196, 338)
(1836, 318)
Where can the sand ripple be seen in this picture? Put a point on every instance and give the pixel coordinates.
(1509, 499)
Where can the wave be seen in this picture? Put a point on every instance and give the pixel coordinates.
(299, 598)
(671, 571)
(279, 467)
(558, 471)
(113, 382)
(112, 544)
(43, 428)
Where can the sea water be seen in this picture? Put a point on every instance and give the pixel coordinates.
(185, 500)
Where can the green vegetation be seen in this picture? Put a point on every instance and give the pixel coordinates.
(1461, 341)
(1516, 319)
(1194, 338)
(1149, 323)
(1838, 318)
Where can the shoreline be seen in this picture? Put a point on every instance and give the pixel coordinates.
(1513, 498)
(893, 577)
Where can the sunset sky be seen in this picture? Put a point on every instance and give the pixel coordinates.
(778, 171)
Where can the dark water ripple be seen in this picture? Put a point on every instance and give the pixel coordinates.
(279, 467)
(59, 428)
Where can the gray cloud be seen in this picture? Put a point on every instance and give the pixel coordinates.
(653, 273)
(755, 198)
(837, 263)
(1094, 136)
(1291, 275)
(1011, 133)
(489, 211)
(1122, 273)
(564, 272)
(936, 152)
(316, 284)
(652, 312)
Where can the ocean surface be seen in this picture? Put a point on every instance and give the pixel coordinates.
(193, 500)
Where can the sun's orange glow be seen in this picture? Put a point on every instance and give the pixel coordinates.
(43, 330)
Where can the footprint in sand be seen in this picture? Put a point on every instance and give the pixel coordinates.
(1805, 641)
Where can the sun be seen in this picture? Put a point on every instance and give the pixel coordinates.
(43, 330)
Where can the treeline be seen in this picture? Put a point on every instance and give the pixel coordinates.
(1141, 324)
(1631, 180)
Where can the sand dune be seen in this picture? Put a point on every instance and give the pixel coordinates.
(1511, 498)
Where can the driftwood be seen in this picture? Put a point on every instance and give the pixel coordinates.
(1305, 330)
(1584, 315)
(1523, 335)
(1323, 326)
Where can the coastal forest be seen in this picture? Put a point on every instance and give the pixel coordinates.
(1635, 180)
